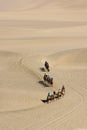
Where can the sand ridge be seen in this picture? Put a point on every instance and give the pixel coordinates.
(72, 58)
(31, 32)
(27, 99)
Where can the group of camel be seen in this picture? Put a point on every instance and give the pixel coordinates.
(58, 95)
(48, 79)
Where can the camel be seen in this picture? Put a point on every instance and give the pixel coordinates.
(48, 79)
(47, 66)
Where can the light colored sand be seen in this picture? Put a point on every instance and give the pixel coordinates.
(31, 32)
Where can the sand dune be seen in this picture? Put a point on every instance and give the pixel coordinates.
(31, 4)
(31, 32)
(71, 58)
(21, 93)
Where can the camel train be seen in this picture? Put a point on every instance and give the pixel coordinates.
(58, 95)
(49, 80)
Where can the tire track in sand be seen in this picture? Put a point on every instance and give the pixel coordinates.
(65, 116)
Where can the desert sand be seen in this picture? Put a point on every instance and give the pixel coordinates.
(31, 32)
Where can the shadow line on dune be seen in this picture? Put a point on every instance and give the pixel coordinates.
(41, 24)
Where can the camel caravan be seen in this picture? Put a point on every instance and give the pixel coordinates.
(55, 95)
(49, 81)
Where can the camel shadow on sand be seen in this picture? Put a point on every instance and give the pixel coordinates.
(44, 100)
(42, 69)
(42, 83)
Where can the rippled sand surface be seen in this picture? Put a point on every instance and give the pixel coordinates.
(31, 32)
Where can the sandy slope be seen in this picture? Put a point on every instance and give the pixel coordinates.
(31, 32)
(21, 93)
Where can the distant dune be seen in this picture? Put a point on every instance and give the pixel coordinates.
(12, 5)
(74, 58)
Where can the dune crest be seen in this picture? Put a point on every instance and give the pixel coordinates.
(73, 58)
(12, 5)
(31, 32)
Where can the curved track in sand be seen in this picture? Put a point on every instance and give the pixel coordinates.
(31, 32)
(23, 69)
